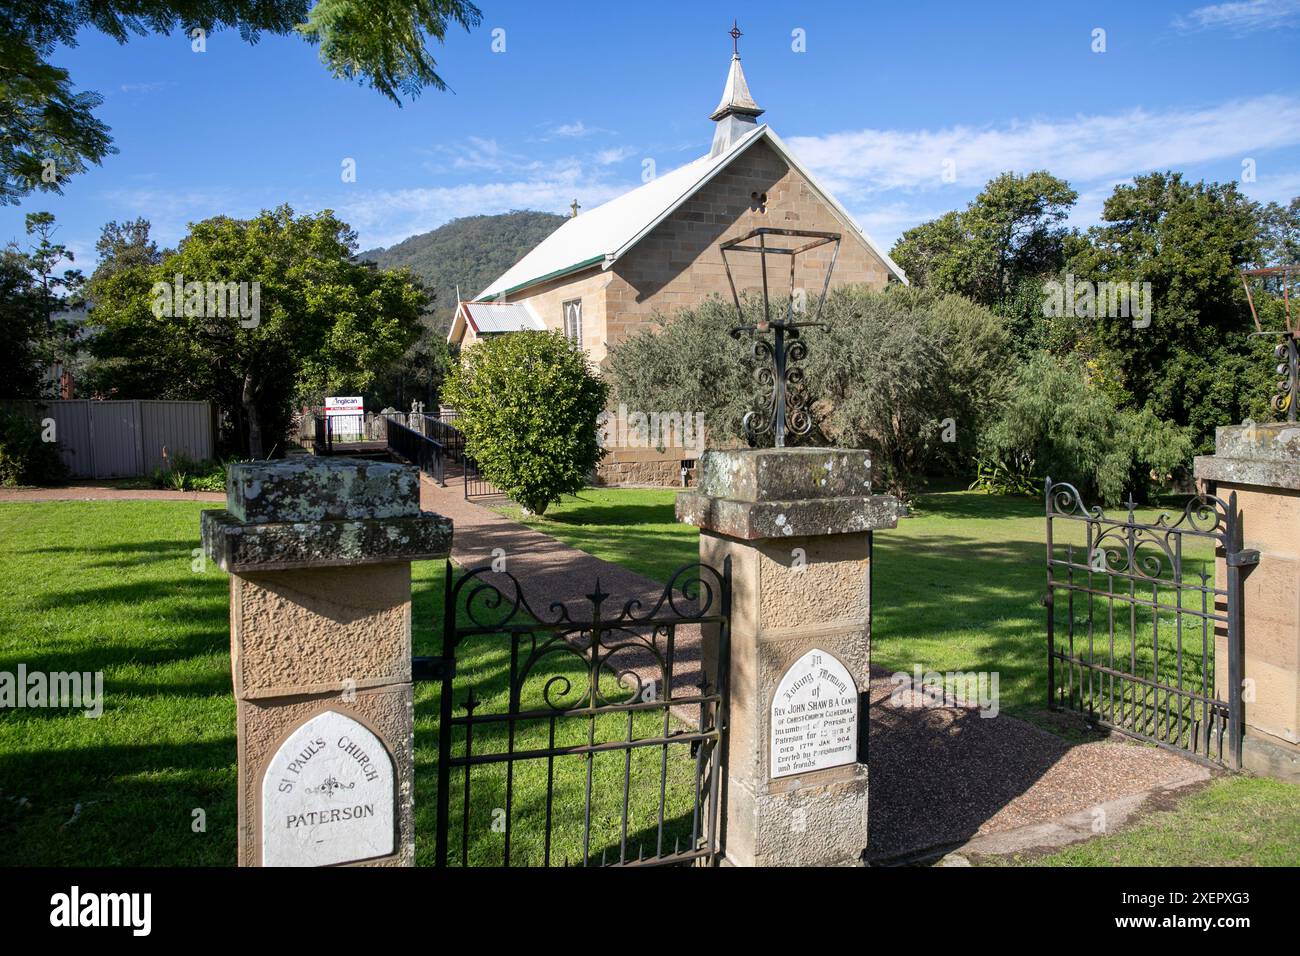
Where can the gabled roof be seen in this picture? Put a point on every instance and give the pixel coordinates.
(487, 318)
(605, 234)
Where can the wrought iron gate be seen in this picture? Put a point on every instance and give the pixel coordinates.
(1149, 631)
(583, 746)
(476, 486)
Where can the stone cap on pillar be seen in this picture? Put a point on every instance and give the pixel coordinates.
(321, 512)
(1263, 455)
(786, 492)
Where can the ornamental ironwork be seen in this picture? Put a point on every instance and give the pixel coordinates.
(1140, 632)
(1287, 349)
(597, 738)
(778, 373)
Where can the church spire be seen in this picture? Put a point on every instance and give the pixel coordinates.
(737, 113)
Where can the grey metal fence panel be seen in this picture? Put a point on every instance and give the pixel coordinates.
(115, 437)
(123, 439)
(183, 428)
(71, 431)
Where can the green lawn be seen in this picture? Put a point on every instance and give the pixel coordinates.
(1234, 822)
(108, 586)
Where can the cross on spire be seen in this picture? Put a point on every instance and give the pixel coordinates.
(735, 35)
(575, 207)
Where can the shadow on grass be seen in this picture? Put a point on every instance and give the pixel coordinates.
(119, 805)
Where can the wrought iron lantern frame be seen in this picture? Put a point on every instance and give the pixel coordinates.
(782, 377)
(1287, 351)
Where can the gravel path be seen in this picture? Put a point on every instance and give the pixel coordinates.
(942, 775)
(91, 491)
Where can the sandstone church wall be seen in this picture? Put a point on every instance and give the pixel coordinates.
(679, 264)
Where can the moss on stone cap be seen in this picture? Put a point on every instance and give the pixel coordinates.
(1263, 455)
(785, 474)
(238, 546)
(320, 489)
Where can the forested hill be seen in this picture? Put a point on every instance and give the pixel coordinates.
(470, 252)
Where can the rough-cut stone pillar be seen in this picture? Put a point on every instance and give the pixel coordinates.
(1261, 463)
(319, 553)
(796, 524)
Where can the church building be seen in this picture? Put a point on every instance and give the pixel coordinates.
(607, 272)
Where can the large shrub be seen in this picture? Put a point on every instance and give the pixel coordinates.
(528, 404)
(1073, 431)
(912, 376)
(25, 459)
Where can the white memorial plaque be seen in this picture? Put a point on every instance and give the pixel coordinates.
(327, 796)
(814, 716)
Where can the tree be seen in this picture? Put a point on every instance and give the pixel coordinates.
(1073, 432)
(907, 373)
(1281, 238)
(1193, 364)
(417, 375)
(528, 404)
(1010, 233)
(124, 245)
(33, 293)
(253, 314)
(689, 363)
(48, 133)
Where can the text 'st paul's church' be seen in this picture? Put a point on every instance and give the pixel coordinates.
(603, 273)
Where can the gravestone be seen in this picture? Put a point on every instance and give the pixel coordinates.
(319, 553)
(797, 524)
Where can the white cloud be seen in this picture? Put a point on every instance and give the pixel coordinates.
(885, 222)
(170, 211)
(145, 87)
(571, 129)
(575, 130)
(1281, 186)
(617, 154)
(858, 163)
(1242, 17)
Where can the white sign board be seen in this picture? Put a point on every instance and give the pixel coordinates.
(814, 716)
(344, 405)
(327, 796)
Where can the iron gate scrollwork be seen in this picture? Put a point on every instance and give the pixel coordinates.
(583, 744)
(1147, 627)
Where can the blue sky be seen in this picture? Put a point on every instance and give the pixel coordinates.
(884, 100)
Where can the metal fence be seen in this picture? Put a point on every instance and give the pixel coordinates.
(449, 436)
(571, 754)
(420, 450)
(126, 438)
(476, 486)
(1140, 636)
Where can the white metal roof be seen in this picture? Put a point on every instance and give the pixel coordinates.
(603, 235)
(489, 317)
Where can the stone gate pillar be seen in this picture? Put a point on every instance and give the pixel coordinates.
(319, 553)
(797, 525)
(1261, 463)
